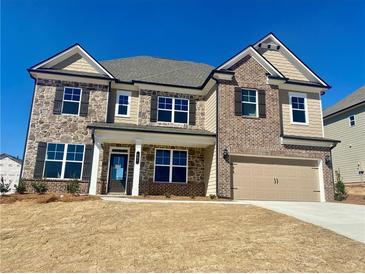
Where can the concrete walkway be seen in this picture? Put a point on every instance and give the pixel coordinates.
(345, 219)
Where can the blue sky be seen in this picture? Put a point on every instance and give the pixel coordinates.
(329, 36)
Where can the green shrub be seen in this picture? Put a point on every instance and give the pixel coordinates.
(212, 196)
(21, 187)
(40, 188)
(73, 187)
(340, 190)
(167, 194)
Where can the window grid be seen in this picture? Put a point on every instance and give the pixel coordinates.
(298, 105)
(122, 105)
(71, 95)
(352, 121)
(249, 97)
(174, 106)
(171, 164)
(75, 149)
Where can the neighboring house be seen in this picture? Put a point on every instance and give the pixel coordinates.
(345, 121)
(248, 129)
(10, 167)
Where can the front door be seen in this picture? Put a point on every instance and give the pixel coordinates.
(118, 173)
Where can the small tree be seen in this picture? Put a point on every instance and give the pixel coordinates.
(40, 188)
(340, 191)
(73, 187)
(21, 188)
(4, 187)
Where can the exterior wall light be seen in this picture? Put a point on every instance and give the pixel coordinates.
(226, 155)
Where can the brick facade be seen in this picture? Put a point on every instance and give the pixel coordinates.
(256, 136)
(195, 185)
(145, 109)
(47, 127)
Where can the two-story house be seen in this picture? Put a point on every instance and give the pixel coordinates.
(345, 121)
(249, 129)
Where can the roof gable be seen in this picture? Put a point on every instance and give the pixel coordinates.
(251, 51)
(15, 159)
(287, 62)
(73, 59)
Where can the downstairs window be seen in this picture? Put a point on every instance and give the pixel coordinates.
(171, 166)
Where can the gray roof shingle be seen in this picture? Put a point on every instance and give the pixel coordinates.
(5, 155)
(158, 70)
(354, 98)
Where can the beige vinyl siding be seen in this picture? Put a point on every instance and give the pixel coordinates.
(284, 65)
(210, 110)
(133, 114)
(76, 63)
(351, 151)
(314, 126)
(210, 170)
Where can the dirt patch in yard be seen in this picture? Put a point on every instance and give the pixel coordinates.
(354, 199)
(45, 198)
(100, 236)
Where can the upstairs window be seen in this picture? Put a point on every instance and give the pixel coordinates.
(63, 161)
(71, 101)
(123, 101)
(172, 110)
(171, 166)
(298, 103)
(352, 121)
(249, 103)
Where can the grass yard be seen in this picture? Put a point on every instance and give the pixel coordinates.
(99, 236)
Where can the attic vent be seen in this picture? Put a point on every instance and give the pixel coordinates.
(269, 46)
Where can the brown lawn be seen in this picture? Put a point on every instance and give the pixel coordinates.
(99, 236)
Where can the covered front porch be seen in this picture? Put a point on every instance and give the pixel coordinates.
(136, 160)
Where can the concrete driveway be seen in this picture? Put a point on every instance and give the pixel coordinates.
(345, 219)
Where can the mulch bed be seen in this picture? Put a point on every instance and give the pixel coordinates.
(354, 199)
(181, 198)
(45, 198)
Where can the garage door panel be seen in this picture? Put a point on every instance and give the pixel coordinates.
(276, 181)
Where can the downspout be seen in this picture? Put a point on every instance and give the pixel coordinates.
(28, 127)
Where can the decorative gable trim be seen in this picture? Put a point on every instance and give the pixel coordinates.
(287, 52)
(59, 57)
(254, 54)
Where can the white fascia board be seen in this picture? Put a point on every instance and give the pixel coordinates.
(254, 54)
(293, 87)
(68, 53)
(130, 137)
(303, 142)
(287, 52)
(45, 75)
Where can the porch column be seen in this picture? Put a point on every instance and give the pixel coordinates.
(136, 169)
(95, 168)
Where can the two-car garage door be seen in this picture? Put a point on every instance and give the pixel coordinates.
(257, 178)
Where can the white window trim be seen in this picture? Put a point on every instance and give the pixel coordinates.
(256, 103)
(63, 100)
(126, 93)
(170, 166)
(350, 120)
(173, 110)
(301, 95)
(64, 163)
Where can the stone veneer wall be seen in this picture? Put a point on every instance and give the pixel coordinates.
(103, 188)
(256, 136)
(48, 127)
(195, 185)
(145, 109)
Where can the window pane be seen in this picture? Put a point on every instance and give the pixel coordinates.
(249, 96)
(165, 103)
(179, 158)
(73, 170)
(162, 173)
(52, 169)
(181, 117)
(179, 174)
(163, 157)
(55, 151)
(123, 99)
(164, 115)
(70, 108)
(122, 110)
(248, 109)
(181, 104)
(75, 152)
(299, 116)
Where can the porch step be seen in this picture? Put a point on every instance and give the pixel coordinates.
(116, 195)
